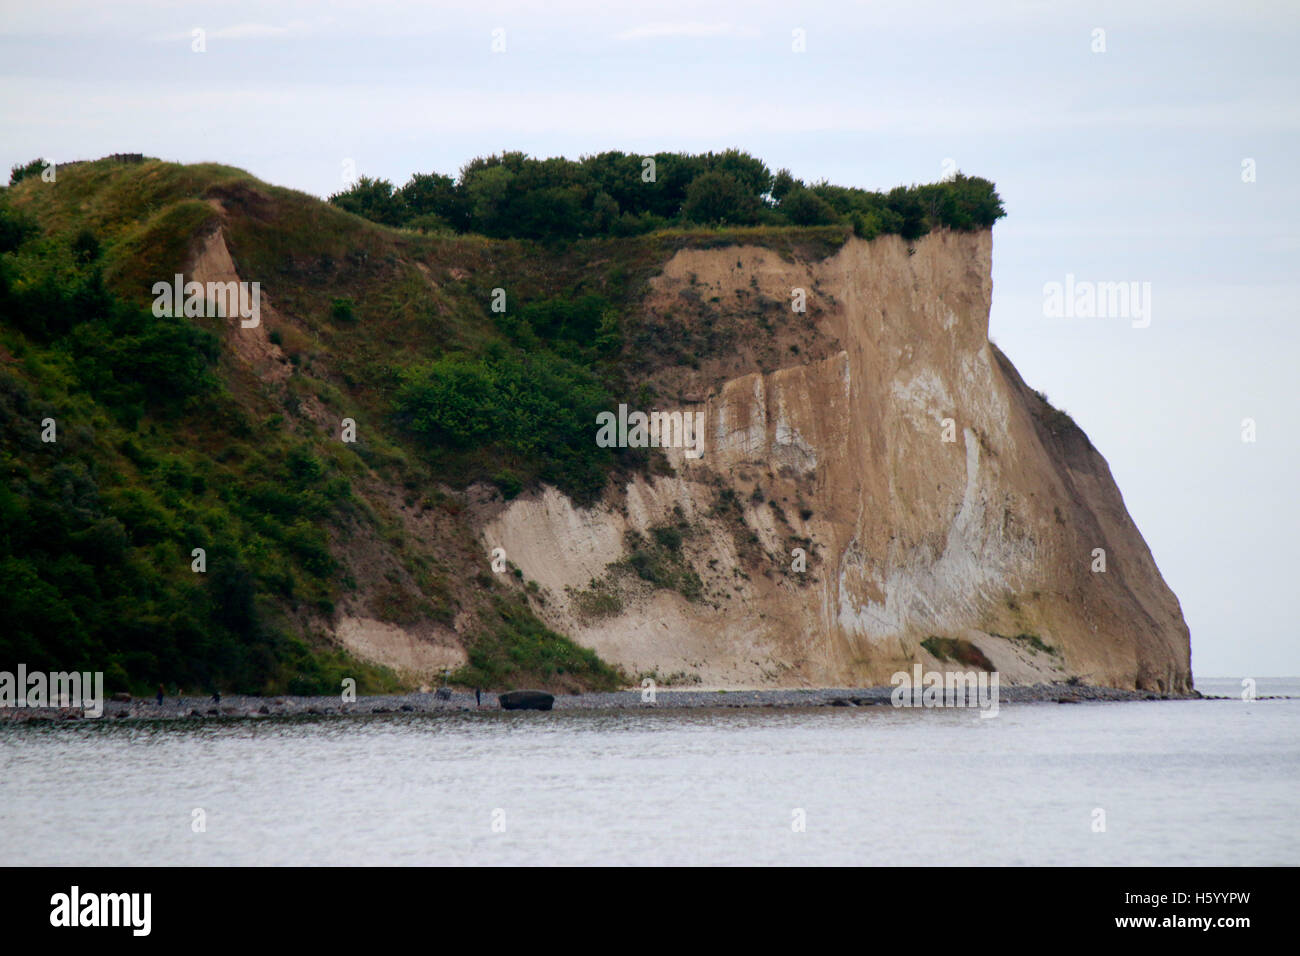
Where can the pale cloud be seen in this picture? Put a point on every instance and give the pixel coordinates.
(248, 31)
(378, 18)
(239, 31)
(688, 28)
(375, 110)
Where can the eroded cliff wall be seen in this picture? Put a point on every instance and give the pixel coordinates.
(825, 430)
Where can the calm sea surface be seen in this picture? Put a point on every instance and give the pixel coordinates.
(1180, 782)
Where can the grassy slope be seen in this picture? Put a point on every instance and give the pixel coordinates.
(244, 470)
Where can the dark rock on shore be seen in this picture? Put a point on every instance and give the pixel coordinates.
(527, 700)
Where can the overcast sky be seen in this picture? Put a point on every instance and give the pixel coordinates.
(1119, 165)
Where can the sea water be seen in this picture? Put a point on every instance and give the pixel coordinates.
(1164, 782)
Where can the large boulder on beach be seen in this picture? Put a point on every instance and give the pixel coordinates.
(526, 700)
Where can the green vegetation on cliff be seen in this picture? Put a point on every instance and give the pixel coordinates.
(616, 194)
(122, 452)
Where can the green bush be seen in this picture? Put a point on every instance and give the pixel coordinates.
(85, 247)
(343, 310)
(806, 208)
(539, 410)
(21, 171)
(717, 198)
(375, 199)
(660, 562)
(431, 198)
(509, 484)
(515, 649)
(15, 228)
(668, 537)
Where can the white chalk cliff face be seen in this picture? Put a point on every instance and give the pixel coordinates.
(825, 430)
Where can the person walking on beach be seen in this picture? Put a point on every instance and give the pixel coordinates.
(160, 695)
(478, 697)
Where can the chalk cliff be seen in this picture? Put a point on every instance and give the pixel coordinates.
(947, 513)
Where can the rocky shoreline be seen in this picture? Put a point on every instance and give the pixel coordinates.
(249, 707)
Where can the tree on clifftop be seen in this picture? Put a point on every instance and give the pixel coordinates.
(720, 198)
(375, 199)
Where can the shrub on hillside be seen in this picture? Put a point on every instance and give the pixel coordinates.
(538, 409)
(21, 171)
